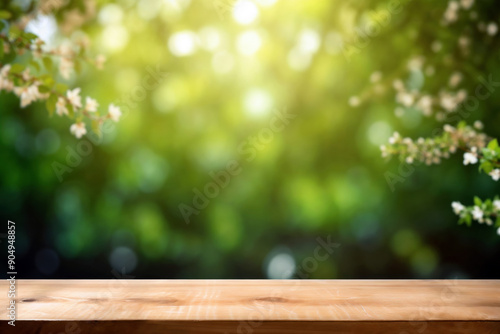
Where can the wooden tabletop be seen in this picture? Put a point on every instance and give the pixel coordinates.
(341, 301)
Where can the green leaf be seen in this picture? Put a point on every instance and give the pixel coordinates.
(43, 89)
(486, 166)
(17, 68)
(489, 204)
(493, 145)
(18, 81)
(35, 65)
(2, 25)
(477, 201)
(30, 36)
(47, 62)
(5, 15)
(48, 80)
(1, 48)
(468, 219)
(9, 57)
(51, 103)
(61, 88)
(14, 32)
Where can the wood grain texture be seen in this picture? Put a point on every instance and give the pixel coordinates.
(256, 306)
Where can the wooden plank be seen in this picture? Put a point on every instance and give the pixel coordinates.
(236, 327)
(150, 306)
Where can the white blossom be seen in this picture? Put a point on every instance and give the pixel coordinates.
(65, 67)
(5, 71)
(461, 95)
(398, 85)
(425, 104)
(436, 46)
(91, 104)
(383, 149)
(114, 112)
(448, 128)
(498, 231)
(5, 83)
(405, 99)
(395, 138)
(416, 63)
(61, 107)
(26, 74)
(477, 213)
(496, 204)
(448, 102)
(492, 29)
(457, 207)
(74, 97)
(354, 101)
(27, 94)
(478, 125)
(495, 174)
(36, 92)
(451, 15)
(78, 129)
(376, 76)
(470, 158)
(455, 79)
(466, 4)
(453, 5)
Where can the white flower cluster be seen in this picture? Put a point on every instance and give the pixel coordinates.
(432, 150)
(447, 101)
(67, 58)
(491, 28)
(424, 150)
(451, 12)
(470, 158)
(495, 174)
(479, 213)
(29, 93)
(73, 97)
(5, 83)
(67, 55)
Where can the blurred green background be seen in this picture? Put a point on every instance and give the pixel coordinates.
(227, 69)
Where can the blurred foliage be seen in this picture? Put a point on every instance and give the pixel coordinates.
(321, 176)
